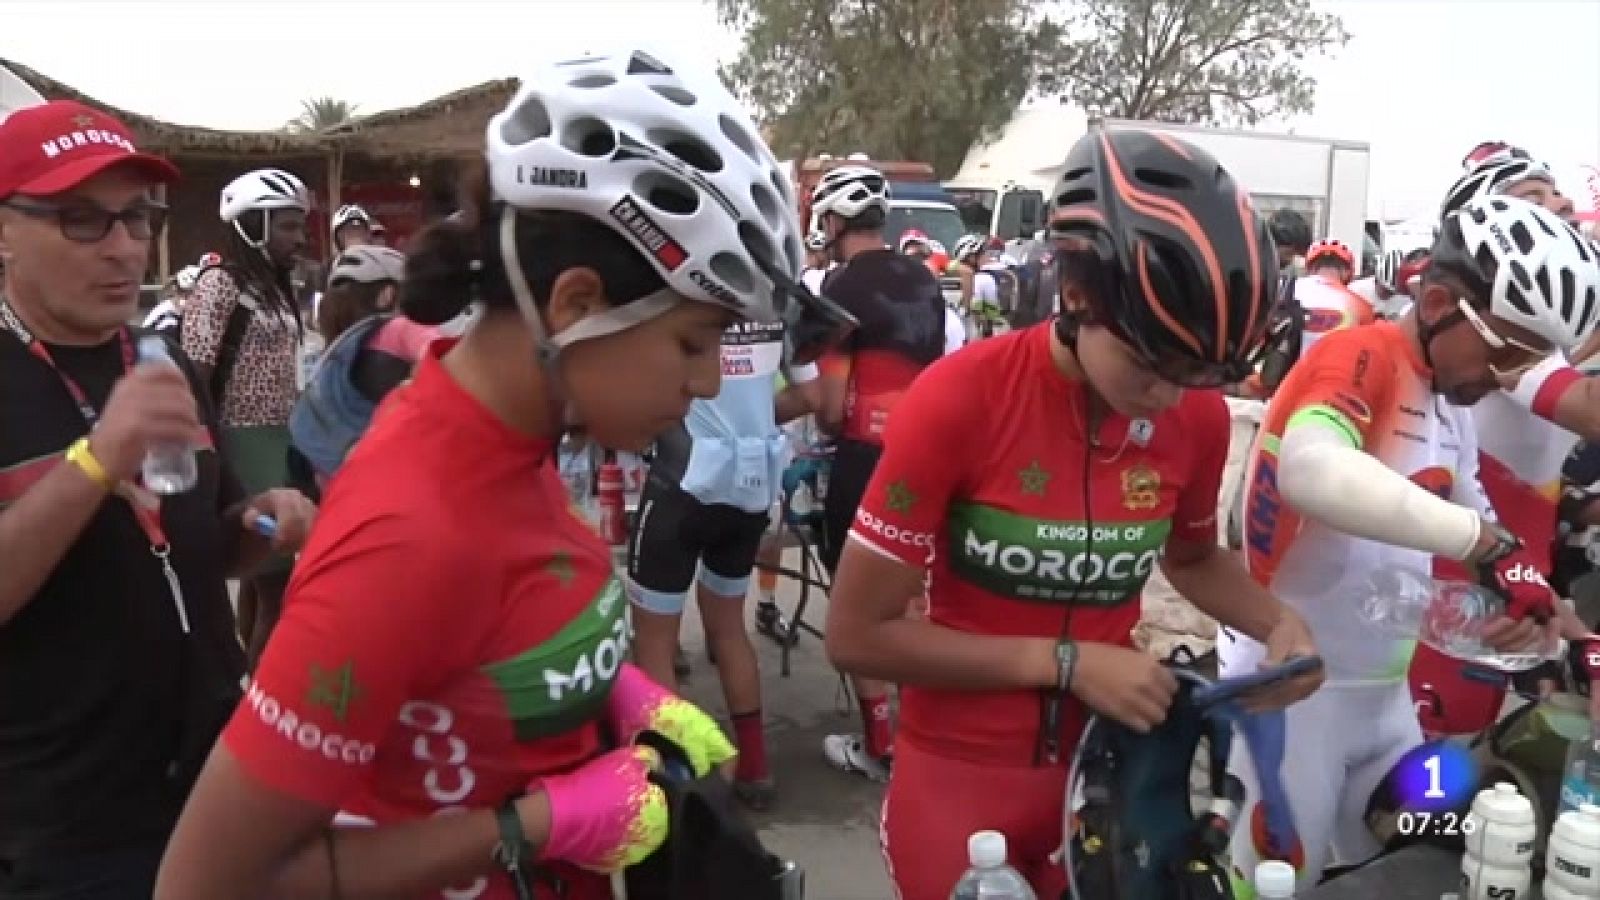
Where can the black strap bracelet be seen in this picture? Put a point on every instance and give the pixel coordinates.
(513, 852)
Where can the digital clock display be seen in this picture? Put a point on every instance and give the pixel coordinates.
(1442, 824)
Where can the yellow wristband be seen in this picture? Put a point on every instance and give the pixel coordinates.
(81, 456)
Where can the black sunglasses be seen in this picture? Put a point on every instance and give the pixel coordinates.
(89, 223)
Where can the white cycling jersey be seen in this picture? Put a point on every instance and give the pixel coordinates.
(1329, 306)
(1367, 391)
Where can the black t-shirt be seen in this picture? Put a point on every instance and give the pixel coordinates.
(901, 311)
(107, 708)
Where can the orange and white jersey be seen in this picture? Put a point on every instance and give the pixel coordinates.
(1329, 306)
(1369, 385)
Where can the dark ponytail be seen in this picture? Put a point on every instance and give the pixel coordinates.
(457, 260)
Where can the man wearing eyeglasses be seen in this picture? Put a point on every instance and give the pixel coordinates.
(118, 661)
(1367, 464)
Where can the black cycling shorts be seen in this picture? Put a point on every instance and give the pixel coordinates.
(853, 463)
(675, 534)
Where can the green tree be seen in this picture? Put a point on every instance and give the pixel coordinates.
(1200, 61)
(322, 113)
(896, 79)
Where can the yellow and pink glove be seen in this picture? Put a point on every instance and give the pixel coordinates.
(638, 704)
(606, 815)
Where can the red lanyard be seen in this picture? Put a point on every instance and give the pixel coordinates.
(146, 504)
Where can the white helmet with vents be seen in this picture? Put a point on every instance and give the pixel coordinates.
(367, 264)
(1536, 271)
(350, 214)
(1492, 177)
(968, 245)
(264, 189)
(664, 155)
(849, 191)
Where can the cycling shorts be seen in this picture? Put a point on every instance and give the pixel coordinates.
(675, 534)
(853, 463)
(935, 803)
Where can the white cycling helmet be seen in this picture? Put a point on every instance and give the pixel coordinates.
(664, 155)
(969, 245)
(367, 264)
(264, 190)
(849, 191)
(351, 213)
(1492, 177)
(1537, 271)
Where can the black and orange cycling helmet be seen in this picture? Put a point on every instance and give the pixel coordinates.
(1190, 268)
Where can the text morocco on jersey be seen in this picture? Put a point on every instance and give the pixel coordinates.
(986, 479)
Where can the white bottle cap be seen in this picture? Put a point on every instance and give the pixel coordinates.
(1274, 879)
(1502, 804)
(986, 849)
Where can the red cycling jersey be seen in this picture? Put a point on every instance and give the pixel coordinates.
(901, 314)
(985, 477)
(451, 632)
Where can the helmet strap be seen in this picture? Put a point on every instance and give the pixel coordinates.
(548, 346)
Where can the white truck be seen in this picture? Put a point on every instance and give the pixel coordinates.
(1323, 179)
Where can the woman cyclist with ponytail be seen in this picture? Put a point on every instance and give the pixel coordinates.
(1040, 475)
(449, 674)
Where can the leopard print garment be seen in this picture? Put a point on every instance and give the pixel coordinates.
(261, 390)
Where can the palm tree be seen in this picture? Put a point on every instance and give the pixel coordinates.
(321, 114)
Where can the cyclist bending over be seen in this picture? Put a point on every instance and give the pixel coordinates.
(1367, 461)
(1030, 484)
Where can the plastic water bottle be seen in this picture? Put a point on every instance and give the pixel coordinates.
(1580, 779)
(1274, 880)
(1572, 860)
(1499, 854)
(1448, 616)
(990, 878)
(168, 468)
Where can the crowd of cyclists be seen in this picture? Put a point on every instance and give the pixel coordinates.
(446, 677)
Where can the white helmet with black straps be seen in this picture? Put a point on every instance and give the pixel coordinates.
(1537, 272)
(1492, 177)
(352, 213)
(264, 190)
(969, 245)
(663, 154)
(367, 264)
(849, 191)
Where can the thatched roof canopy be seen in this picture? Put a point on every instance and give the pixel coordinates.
(448, 126)
(168, 139)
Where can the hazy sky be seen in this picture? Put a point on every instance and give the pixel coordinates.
(1421, 80)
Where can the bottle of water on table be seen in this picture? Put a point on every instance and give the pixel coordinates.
(990, 878)
(168, 468)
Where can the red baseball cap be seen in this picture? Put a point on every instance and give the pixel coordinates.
(57, 146)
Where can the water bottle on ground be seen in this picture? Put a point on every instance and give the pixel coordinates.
(1572, 861)
(1580, 779)
(1274, 880)
(989, 877)
(168, 468)
(1499, 857)
(1448, 616)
